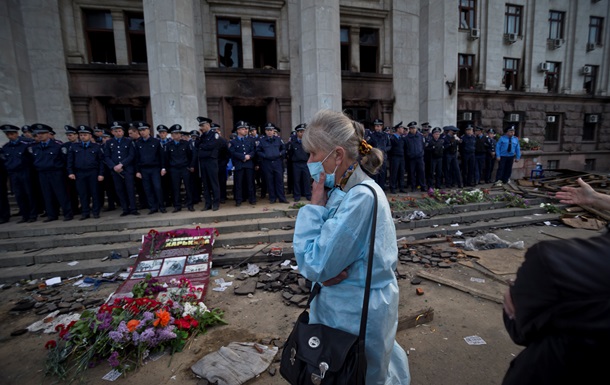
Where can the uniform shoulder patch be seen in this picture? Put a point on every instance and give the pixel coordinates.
(30, 150)
(64, 150)
(216, 136)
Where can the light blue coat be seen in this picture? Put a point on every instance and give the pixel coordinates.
(328, 240)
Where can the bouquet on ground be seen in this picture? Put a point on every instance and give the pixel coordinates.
(124, 333)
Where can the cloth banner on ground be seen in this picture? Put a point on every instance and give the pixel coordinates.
(235, 364)
(167, 255)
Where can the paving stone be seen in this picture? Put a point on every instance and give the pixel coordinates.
(246, 287)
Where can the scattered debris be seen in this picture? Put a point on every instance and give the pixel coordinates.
(475, 340)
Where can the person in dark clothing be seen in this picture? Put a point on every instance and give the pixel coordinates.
(119, 155)
(223, 161)
(481, 147)
(434, 146)
(243, 149)
(180, 162)
(207, 147)
(450, 148)
(396, 156)
(379, 139)
(18, 165)
(415, 154)
(150, 167)
(467, 150)
(298, 159)
(271, 151)
(490, 156)
(86, 168)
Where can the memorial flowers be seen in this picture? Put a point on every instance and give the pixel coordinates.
(126, 331)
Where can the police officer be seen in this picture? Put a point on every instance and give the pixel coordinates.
(480, 153)
(98, 134)
(207, 147)
(166, 183)
(467, 150)
(86, 168)
(425, 131)
(150, 167)
(107, 190)
(180, 162)
(508, 152)
(415, 154)
(490, 156)
(18, 164)
(5, 210)
(271, 151)
(119, 155)
(191, 138)
(298, 158)
(27, 134)
(434, 146)
(72, 136)
(259, 178)
(450, 148)
(242, 150)
(50, 162)
(396, 156)
(223, 162)
(381, 140)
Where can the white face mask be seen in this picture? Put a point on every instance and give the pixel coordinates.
(315, 168)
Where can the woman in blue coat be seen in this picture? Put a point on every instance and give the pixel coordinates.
(331, 243)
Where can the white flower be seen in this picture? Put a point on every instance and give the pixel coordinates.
(526, 140)
(542, 205)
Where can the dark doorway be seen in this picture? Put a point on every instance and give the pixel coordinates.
(255, 116)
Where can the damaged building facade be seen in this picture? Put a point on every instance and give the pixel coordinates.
(540, 65)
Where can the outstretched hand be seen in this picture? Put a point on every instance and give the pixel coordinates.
(583, 195)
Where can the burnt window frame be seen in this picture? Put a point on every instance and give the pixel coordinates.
(237, 39)
(259, 54)
(514, 73)
(589, 130)
(345, 48)
(513, 11)
(135, 34)
(369, 46)
(554, 72)
(468, 14)
(88, 31)
(592, 78)
(559, 24)
(468, 68)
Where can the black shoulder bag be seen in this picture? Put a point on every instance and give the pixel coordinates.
(315, 354)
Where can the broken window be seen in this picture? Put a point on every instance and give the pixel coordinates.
(229, 43)
(136, 39)
(511, 74)
(465, 71)
(100, 36)
(590, 79)
(264, 44)
(467, 14)
(551, 78)
(369, 49)
(345, 56)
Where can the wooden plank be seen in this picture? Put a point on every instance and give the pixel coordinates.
(459, 286)
(425, 241)
(412, 320)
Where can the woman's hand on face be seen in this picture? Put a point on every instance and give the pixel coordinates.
(318, 193)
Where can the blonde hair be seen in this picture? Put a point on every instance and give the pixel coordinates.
(329, 129)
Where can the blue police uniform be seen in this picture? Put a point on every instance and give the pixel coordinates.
(415, 155)
(507, 151)
(86, 162)
(435, 149)
(180, 160)
(271, 151)
(243, 174)
(490, 156)
(381, 141)
(207, 147)
(396, 155)
(18, 164)
(452, 168)
(5, 210)
(223, 161)
(149, 163)
(122, 151)
(300, 172)
(50, 162)
(467, 150)
(480, 153)
(71, 184)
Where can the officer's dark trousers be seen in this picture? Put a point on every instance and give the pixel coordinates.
(436, 166)
(479, 174)
(222, 179)
(209, 179)
(166, 187)
(452, 171)
(22, 189)
(151, 181)
(52, 184)
(180, 176)
(469, 164)
(86, 185)
(505, 168)
(489, 167)
(244, 179)
(124, 184)
(273, 171)
(302, 180)
(5, 210)
(380, 177)
(418, 176)
(397, 173)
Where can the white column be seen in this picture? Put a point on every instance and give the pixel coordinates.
(120, 37)
(172, 71)
(320, 56)
(405, 60)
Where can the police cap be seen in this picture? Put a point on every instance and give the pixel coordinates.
(9, 128)
(509, 128)
(202, 119)
(162, 128)
(82, 129)
(69, 129)
(175, 128)
(141, 125)
(194, 133)
(412, 124)
(269, 126)
(398, 126)
(436, 129)
(40, 128)
(378, 122)
(300, 127)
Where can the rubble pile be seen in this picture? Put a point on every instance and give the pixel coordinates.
(431, 255)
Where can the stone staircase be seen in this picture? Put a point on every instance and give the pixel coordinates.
(246, 234)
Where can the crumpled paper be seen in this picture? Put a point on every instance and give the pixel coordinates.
(235, 364)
